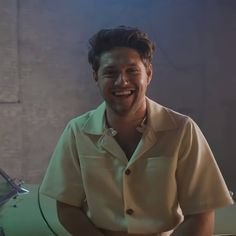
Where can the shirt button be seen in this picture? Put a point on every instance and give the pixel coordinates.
(128, 171)
(129, 211)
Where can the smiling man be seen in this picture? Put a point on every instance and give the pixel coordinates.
(122, 79)
(132, 166)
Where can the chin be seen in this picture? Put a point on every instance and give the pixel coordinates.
(121, 111)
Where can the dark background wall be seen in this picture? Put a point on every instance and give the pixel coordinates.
(45, 79)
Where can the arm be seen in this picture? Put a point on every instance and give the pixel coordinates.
(75, 221)
(196, 225)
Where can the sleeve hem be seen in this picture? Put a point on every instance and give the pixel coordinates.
(73, 202)
(206, 207)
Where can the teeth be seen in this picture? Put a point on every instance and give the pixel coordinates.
(122, 93)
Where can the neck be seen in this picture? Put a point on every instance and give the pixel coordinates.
(130, 120)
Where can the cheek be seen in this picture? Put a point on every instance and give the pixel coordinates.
(144, 83)
(105, 86)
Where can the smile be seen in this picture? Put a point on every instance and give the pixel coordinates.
(123, 93)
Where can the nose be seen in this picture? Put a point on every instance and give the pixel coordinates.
(121, 80)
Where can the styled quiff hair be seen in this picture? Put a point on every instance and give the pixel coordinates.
(122, 36)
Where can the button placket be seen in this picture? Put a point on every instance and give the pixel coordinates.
(129, 208)
(130, 211)
(127, 171)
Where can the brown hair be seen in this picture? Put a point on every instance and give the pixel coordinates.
(122, 36)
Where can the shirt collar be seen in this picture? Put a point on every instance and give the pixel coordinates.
(158, 118)
(95, 124)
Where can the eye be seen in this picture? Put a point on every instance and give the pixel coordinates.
(110, 73)
(133, 70)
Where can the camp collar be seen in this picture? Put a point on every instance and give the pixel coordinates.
(158, 119)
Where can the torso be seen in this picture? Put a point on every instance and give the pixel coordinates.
(128, 140)
(127, 135)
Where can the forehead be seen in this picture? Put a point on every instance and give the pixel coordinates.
(120, 56)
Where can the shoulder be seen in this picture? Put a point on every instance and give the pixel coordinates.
(77, 123)
(165, 118)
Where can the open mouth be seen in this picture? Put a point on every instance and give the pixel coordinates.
(125, 93)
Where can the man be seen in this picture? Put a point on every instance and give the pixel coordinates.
(132, 166)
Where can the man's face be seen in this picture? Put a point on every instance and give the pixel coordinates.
(122, 79)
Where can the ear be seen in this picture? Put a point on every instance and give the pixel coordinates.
(149, 73)
(95, 76)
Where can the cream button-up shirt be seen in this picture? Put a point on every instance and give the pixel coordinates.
(171, 170)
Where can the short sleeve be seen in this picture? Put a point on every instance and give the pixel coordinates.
(201, 186)
(63, 180)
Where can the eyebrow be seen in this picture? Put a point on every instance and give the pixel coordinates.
(113, 66)
(109, 67)
(133, 64)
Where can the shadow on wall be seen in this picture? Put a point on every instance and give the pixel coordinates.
(45, 79)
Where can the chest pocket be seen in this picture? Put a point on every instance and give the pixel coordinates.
(99, 174)
(96, 162)
(161, 167)
(157, 162)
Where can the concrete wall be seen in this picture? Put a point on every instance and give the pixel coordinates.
(45, 79)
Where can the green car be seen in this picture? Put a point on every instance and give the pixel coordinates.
(24, 212)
